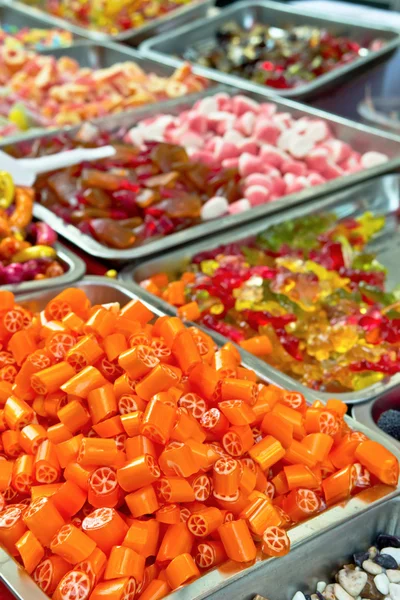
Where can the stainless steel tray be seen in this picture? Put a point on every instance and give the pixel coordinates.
(168, 46)
(316, 560)
(75, 271)
(368, 413)
(381, 195)
(96, 56)
(103, 290)
(11, 14)
(363, 138)
(187, 14)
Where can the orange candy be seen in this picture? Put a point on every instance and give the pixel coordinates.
(130, 440)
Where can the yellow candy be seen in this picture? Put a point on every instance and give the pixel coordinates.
(208, 267)
(18, 116)
(34, 252)
(7, 190)
(362, 381)
(112, 273)
(217, 309)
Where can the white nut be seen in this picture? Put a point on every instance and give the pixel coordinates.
(393, 575)
(299, 596)
(321, 585)
(371, 567)
(341, 593)
(394, 591)
(352, 581)
(382, 583)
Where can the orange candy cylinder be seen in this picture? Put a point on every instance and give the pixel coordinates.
(69, 499)
(292, 416)
(43, 519)
(138, 445)
(131, 422)
(50, 380)
(76, 473)
(297, 453)
(185, 351)
(82, 383)
(178, 459)
(47, 466)
(124, 562)
(31, 436)
(205, 522)
(301, 504)
(180, 570)
(239, 389)
(142, 537)
(17, 413)
(159, 379)
(267, 452)
(177, 540)
(379, 461)
(138, 361)
(278, 427)
(49, 573)
(275, 541)
(238, 440)
(156, 590)
(116, 589)
(300, 476)
(97, 451)
(237, 541)
(6, 469)
(158, 421)
(30, 550)
(204, 379)
(87, 351)
(226, 478)
(102, 403)
(337, 487)
(114, 345)
(237, 412)
(258, 345)
(139, 472)
(142, 502)
(74, 416)
(137, 311)
(105, 527)
(68, 451)
(319, 444)
(259, 515)
(12, 528)
(209, 554)
(72, 544)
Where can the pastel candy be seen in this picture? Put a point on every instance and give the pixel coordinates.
(214, 207)
(242, 104)
(267, 133)
(239, 206)
(300, 145)
(294, 166)
(258, 179)
(257, 194)
(372, 159)
(249, 164)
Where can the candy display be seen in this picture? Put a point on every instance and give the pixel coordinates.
(371, 573)
(137, 195)
(109, 16)
(58, 92)
(14, 37)
(137, 455)
(281, 58)
(309, 288)
(275, 153)
(26, 248)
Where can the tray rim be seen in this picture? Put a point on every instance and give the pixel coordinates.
(147, 47)
(207, 228)
(182, 594)
(76, 270)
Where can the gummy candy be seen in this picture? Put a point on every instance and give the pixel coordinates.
(110, 16)
(311, 286)
(136, 195)
(26, 248)
(281, 58)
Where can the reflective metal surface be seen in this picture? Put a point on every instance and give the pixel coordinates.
(75, 269)
(381, 196)
(196, 10)
(168, 47)
(103, 290)
(361, 137)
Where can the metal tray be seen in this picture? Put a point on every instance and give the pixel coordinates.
(103, 290)
(168, 46)
(96, 56)
(22, 16)
(316, 560)
(187, 14)
(76, 270)
(368, 413)
(381, 195)
(363, 138)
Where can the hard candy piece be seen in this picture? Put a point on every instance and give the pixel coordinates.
(300, 145)
(393, 575)
(258, 179)
(257, 194)
(382, 583)
(373, 159)
(352, 581)
(341, 593)
(371, 567)
(242, 104)
(267, 133)
(249, 164)
(239, 206)
(214, 207)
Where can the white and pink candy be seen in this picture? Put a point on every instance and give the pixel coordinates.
(275, 153)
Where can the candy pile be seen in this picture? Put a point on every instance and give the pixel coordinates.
(310, 289)
(275, 153)
(26, 248)
(15, 37)
(373, 574)
(137, 454)
(137, 195)
(60, 92)
(281, 58)
(109, 16)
